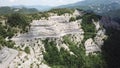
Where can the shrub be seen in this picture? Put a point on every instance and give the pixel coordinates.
(27, 50)
(72, 19)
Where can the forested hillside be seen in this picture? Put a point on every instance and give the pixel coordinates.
(23, 10)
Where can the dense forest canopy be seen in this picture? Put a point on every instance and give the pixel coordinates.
(18, 20)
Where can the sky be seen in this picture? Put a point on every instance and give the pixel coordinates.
(36, 2)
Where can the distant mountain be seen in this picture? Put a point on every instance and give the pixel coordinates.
(88, 3)
(23, 9)
(38, 7)
(98, 6)
(109, 8)
(9, 10)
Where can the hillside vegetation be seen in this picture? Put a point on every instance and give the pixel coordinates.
(23, 10)
(63, 59)
(18, 21)
(13, 24)
(75, 57)
(62, 11)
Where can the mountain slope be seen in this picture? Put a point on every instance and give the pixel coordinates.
(98, 6)
(9, 10)
(88, 2)
(63, 43)
(38, 7)
(107, 8)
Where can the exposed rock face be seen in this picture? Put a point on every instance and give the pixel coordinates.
(99, 38)
(6, 56)
(56, 26)
(94, 44)
(54, 29)
(91, 47)
(77, 38)
(97, 25)
(34, 59)
(78, 13)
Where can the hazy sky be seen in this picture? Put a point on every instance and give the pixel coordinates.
(36, 2)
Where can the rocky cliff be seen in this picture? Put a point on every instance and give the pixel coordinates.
(61, 43)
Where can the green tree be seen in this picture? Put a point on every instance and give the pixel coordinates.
(18, 20)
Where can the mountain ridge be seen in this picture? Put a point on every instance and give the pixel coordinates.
(38, 7)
